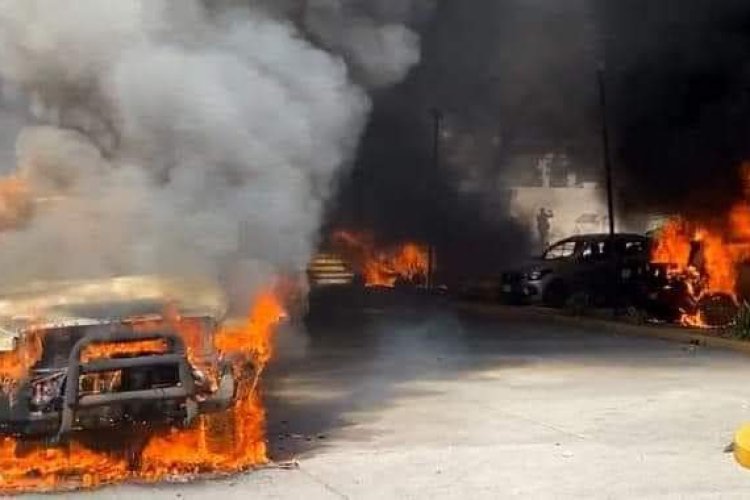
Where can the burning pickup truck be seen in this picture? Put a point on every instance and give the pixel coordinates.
(135, 351)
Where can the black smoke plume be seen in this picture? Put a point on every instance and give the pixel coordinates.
(509, 77)
(520, 76)
(678, 73)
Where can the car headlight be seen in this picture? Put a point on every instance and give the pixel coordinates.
(45, 390)
(538, 274)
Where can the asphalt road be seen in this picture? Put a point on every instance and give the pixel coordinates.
(415, 399)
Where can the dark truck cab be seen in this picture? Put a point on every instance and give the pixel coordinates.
(97, 355)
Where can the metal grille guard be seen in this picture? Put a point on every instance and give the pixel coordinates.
(176, 355)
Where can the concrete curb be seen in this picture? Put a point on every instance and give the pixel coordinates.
(665, 332)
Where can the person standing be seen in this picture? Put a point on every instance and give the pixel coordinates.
(543, 226)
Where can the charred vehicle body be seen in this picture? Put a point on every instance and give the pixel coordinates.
(123, 352)
(679, 292)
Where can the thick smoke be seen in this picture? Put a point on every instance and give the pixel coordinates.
(518, 77)
(678, 77)
(375, 37)
(180, 137)
(511, 77)
(370, 34)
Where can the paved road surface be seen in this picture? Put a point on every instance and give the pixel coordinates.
(420, 401)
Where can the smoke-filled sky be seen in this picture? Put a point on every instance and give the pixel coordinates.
(509, 76)
(519, 76)
(680, 82)
(160, 127)
(186, 136)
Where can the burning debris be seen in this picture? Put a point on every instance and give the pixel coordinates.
(384, 266)
(181, 387)
(704, 260)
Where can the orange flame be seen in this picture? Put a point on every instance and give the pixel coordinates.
(721, 252)
(673, 244)
(235, 440)
(192, 331)
(725, 244)
(38, 468)
(14, 365)
(252, 338)
(383, 267)
(109, 350)
(227, 442)
(16, 204)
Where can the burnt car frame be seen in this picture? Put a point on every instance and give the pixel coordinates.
(673, 291)
(64, 391)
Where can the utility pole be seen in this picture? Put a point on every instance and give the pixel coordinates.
(610, 197)
(437, 130)
(606, 150)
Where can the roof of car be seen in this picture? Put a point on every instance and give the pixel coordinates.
(65, 303)
(599, 236)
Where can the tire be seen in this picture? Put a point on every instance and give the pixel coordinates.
(635, 315)
(718, 310)
(578, 303)
(555, 294)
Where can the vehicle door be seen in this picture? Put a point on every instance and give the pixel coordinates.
(592, 267)
(633, 251)
(633, 257)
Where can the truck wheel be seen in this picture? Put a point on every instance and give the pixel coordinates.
(718, 310)
(555, 294)
(578, 303)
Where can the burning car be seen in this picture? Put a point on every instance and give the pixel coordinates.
(134, 351)
(402, 265)
(675, 294)
(696, 277)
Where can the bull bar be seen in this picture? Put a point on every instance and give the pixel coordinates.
(175, 355)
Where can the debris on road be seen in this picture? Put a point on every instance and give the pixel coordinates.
(286, 465)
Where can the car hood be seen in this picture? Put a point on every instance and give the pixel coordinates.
(108, 300)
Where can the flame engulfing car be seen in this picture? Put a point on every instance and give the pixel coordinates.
(681, 292)
(127, 351)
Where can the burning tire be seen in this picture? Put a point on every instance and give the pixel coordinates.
(718, 310)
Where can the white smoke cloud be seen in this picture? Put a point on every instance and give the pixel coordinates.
(374, 36)
(182, 138)
(371, 35)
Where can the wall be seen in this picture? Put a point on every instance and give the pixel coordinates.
(576, 210)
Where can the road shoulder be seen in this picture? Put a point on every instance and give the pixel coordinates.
(612, 325)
